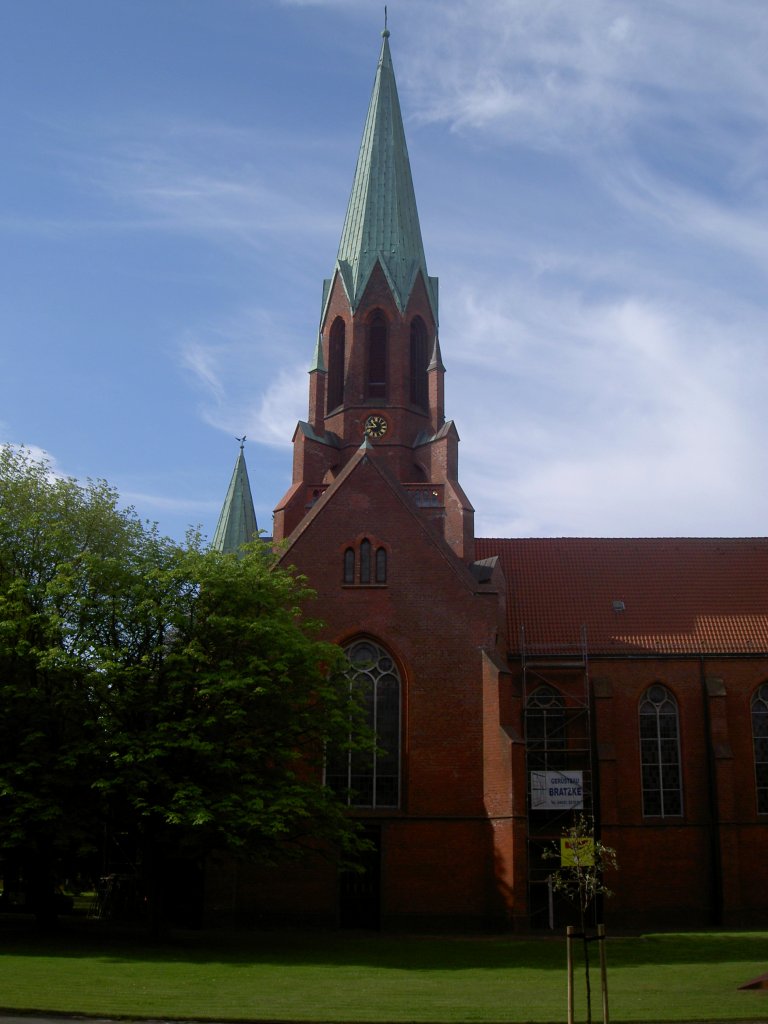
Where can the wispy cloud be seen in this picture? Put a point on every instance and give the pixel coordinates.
(193, 199)
(620, 417)
(283, 403)
(163, 503)
(524, 66)
(192, 177)
(201, 360)
(736, 224)
(246, 377)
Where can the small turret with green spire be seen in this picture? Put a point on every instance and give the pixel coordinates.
(237, 522)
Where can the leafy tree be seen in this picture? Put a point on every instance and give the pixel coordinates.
(51, 739)
(170, 697)
(580, 878)
(220, 717)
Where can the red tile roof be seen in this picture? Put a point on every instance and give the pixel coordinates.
(645, 596)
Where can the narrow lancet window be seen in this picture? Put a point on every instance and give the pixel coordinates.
(419, 362)
(349, 566)
(377, 357)
(365, 561)
(336, 347)
(660, 753)
(545, 733)
(381, 565)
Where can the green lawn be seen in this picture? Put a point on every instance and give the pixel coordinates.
(306, 976)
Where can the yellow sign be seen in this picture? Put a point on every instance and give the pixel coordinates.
(577, 853)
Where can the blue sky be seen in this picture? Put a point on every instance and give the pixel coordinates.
(593, 191)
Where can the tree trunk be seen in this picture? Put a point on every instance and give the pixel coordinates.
(588, 985)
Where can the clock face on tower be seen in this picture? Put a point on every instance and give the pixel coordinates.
(375, 426)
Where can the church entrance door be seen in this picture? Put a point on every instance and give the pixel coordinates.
(360, 891)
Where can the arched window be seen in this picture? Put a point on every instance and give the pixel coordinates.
(660, 753)
(363, 566)
(336, 364)
(349, 565)
(760, 744)
(419, 363)
(377, 356)
(371, 778)
(545, 730)
(381, 565)
(365, 561)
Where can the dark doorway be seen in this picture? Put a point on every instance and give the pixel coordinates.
(360, 891)
(182, 892)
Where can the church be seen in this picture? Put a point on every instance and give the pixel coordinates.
(514, 684)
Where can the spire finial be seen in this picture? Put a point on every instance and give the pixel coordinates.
(385, 33)
(242, 441)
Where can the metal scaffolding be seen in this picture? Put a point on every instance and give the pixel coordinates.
(559, 742)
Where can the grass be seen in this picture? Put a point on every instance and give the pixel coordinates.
(307, 976)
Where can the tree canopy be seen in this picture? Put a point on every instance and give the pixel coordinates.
(160, 700)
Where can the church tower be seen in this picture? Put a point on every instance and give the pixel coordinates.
(376, 521)
(377, 376)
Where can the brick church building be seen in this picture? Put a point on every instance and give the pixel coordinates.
(513, 683)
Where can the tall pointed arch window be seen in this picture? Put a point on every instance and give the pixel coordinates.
(336, 353)
(660, 753)
(760, 745)
(365, 561)
(381, 565)
(377, 357)
(349, 565)
(371, 778)
(545, 734)
(419, 363)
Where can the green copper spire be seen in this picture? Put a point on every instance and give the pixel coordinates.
(382, 222)
(237, 522)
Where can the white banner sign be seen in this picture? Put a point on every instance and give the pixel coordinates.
(556, 791)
